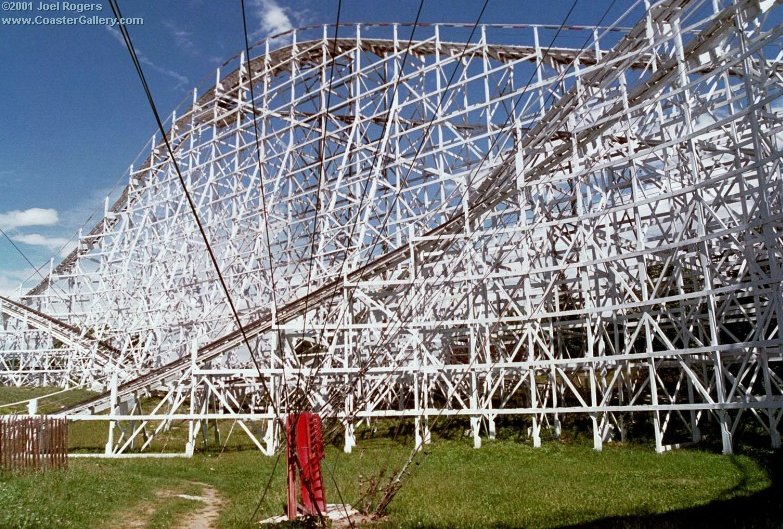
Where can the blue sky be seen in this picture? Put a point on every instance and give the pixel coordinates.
(73, 115)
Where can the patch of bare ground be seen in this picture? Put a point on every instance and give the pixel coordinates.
(337, 516)
(356, 520)
(204, 517)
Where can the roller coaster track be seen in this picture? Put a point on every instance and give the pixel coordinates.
(311, 51)
(542, 155)
(106, 354)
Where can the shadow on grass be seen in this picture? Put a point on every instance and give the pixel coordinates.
(733, 508)
(763, 509)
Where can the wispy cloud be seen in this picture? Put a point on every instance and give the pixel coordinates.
(60, 245)
(87, 211)
(182, 38)
(11, 279)
(181, 79)
(273, 18)
(58, 238)
(28, 217)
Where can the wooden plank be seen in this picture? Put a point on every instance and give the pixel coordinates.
(31, 443)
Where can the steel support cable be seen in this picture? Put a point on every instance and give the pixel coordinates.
(269, 246)
(46, 280)
(424, 139)
(321, 167)
(303, 395)
(441, 412)
(364, 193)
(264, 204)
(376, 349)
(99, 343)
(131, 50)
(290, 310)
(313, 376)
(266, 232)
(395, 87)
(373, 162)
(418, 151)
(37, 270)
(302, 398)
(501, 226)
(266, 487)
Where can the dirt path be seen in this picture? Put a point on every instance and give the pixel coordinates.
(206, 516)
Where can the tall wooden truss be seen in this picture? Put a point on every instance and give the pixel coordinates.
(474, 228)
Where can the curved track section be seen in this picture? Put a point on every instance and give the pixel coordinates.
(480, 229)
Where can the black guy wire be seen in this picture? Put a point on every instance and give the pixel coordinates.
(513, 108)
(372, 164)
(264, 205)
(407, 175)
(131, 50)
(451, 418)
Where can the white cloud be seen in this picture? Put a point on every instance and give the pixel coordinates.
(182, 38)
(56, 244)
(11, 279)
(28, 217)
(273, 17)
(181, 79)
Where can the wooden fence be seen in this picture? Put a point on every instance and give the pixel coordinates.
(31, 443)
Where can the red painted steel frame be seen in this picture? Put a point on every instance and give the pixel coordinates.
(304, 453)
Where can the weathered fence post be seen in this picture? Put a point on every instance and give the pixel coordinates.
(34, 442)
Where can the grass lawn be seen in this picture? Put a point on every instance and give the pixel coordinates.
(506, 483)
(53, 404)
